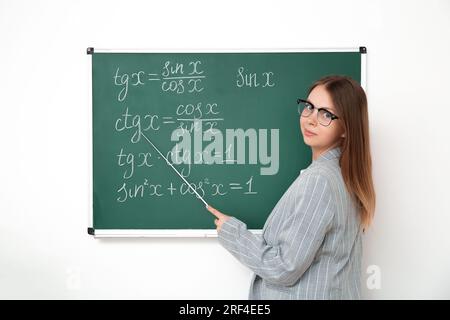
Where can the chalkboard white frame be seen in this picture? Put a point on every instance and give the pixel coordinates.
(181, 233)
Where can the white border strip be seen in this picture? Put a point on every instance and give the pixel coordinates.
(143, 233)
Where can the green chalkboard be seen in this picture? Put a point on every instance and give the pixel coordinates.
(227, 121)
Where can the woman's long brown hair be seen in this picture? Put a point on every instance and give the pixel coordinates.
(350, 102)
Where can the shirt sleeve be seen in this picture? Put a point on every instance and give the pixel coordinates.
(300, 235)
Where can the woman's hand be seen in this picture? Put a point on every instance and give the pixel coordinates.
(221, 217)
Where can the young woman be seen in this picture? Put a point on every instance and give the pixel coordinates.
(310, 247)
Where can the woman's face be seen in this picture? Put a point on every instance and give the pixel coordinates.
(322, 138)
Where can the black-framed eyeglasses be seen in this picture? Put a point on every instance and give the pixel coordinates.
(324, 117)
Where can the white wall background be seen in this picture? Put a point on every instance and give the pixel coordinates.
(45, 251)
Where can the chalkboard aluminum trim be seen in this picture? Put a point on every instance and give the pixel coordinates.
(364, 72)
(227, 50)
(90, 153)
(126, 233)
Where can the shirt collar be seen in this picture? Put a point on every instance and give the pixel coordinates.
(330, 154)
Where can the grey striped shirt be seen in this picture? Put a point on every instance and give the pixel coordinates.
(311, 246)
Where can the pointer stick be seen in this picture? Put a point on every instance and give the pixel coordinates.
(167, 161)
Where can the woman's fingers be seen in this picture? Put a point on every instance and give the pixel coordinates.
(221, 218)
(215, 212)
